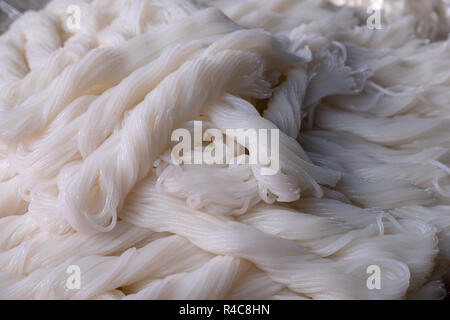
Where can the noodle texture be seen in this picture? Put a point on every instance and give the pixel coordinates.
(92, 92)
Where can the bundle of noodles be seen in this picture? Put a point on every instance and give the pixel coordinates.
(431, 16)
(87, 176)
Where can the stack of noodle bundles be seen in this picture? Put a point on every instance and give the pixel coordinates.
(87, 178)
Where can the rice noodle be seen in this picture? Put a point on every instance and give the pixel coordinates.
(87, 178)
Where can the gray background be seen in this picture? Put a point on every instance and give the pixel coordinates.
(18, 6)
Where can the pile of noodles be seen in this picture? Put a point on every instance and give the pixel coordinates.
(86, 117)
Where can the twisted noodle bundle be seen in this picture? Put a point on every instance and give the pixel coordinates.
(87, 179)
